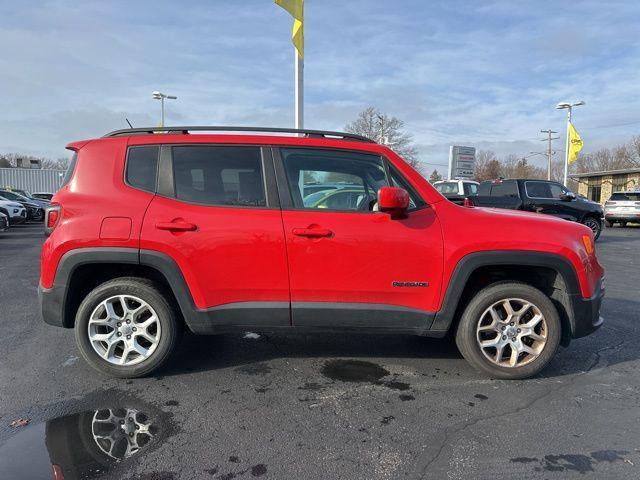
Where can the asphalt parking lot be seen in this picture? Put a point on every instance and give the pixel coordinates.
(322, 406)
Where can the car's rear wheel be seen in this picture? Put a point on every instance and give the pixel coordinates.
(509, 330)
(126, 327)
(608, 223)
(623, 224)
(595, 225)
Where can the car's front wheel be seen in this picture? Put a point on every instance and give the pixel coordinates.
(126, 328)
(509, 330)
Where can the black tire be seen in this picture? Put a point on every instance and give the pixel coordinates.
(608, 223)
(623, 224)
(595, 225)
(467, 342)
(171, 327)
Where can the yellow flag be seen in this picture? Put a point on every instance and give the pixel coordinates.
(296, 10)
(575, 144)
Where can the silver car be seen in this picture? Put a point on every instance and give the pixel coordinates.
(621, 208)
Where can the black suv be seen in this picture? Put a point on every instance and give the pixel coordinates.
(541, 196)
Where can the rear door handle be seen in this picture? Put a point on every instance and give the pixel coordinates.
(176, 226)
(312, 232)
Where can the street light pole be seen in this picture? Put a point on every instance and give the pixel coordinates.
(568, 107)
(161, 96)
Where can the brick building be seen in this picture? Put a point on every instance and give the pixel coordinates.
(598, 186)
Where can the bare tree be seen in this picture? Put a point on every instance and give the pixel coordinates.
(382, 128)
(12, 159)
(487, 165)
(60, 163)
(435, 176)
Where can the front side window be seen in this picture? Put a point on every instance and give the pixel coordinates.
(219, 175)
(557, 191)
(332, 179)
(538, 190)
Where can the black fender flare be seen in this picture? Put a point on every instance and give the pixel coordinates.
(471, 262)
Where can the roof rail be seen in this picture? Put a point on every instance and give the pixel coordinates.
(187, 129)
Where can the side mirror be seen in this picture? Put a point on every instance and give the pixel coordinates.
(568, 197)
(394, 201)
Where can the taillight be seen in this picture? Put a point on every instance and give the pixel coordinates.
(467, 202)
(51, 217)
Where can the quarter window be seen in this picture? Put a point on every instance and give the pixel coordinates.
(219, 175)
(142, 167)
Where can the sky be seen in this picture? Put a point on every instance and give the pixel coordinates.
(480, 73)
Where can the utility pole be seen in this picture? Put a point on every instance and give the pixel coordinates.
(383, 138)
(549, 151)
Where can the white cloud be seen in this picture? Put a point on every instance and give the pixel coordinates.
(480, 73)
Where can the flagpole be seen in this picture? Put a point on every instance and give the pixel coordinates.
(299, 89)
(566, 157)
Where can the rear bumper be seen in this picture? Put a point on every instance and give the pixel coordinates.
(627, 217)
(586, 312)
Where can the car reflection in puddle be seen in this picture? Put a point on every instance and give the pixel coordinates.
(80, 446)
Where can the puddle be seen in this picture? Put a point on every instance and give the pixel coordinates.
(83, 445)
(354, 371)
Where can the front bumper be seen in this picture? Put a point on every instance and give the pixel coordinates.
(586, 312)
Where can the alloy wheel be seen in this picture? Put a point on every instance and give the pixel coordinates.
(122, 432)
(124, 330)
(593, 224)
(512, 332)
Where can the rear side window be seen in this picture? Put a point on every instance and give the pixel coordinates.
(219, 175)
(142, 167)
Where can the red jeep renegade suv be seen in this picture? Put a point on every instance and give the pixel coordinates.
(214, 231)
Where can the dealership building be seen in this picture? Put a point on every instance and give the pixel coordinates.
(598, 186)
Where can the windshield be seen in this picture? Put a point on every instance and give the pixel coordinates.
(14, 196)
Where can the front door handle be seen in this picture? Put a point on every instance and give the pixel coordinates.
(312, 232)
(179, 226)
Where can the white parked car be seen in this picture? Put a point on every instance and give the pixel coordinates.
(622, 207)
(14, 211)
(457, 190)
